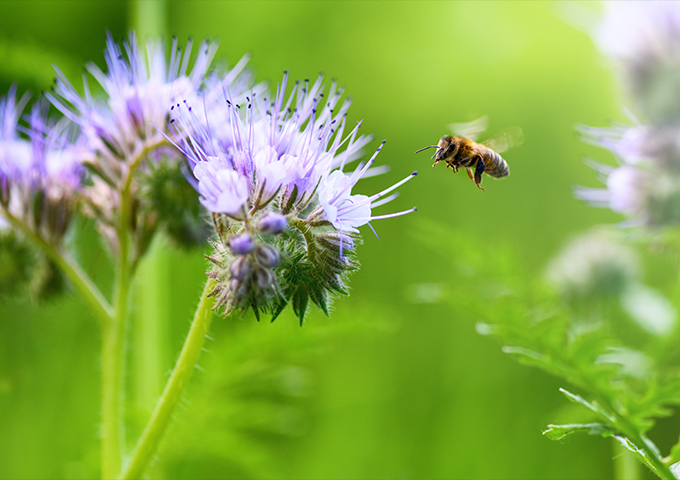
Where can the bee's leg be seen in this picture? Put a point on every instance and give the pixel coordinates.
(479, 169)
(469, 172)
(453, 165)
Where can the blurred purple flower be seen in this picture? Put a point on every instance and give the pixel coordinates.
(43, 168)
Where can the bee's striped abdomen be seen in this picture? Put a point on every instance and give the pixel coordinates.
(495, 165)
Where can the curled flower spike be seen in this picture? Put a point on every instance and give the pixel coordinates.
(273, 173)
(40, 176)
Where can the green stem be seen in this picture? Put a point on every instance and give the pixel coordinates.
(653, 460)
(148, 442)
(113, 345)
(149, 19)
(113, 350)
(623, 425)
(625, 464)
(80, 280)
(112, 388)
(306, 232)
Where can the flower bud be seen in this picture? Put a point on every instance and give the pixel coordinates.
(333, 240)
(242, 244)
(267, 256)
(264, 279)
(240, 267)
(272, 223)
(238, 289)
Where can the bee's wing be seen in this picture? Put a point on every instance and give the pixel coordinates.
(500, 142)
(470, 130)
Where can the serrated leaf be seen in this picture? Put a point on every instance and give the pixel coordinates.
(593, 407)
(632, 447)
(320, 299)
(557, 432)
(526, 356)
(300, 302)
(278, 308)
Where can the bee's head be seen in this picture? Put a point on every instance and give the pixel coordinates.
(447, 147)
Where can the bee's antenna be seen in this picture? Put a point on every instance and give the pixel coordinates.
(431, 146)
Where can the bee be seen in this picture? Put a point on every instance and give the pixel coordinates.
(461, 149)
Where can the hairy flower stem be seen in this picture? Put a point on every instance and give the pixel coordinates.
(193, 345)
(112, 386)
(626, 466)
(113, 345)
(113, 356)
(306, 232)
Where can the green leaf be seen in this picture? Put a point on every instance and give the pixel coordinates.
(675, 454)
(526, 356)
(593, 407)
(557, 432)
(278, 308)
(300, 302)
(640, 454)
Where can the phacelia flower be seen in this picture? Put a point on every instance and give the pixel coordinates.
(275, 172)
(125, 129)
(139, 85)
(644, 40)
(40, 176)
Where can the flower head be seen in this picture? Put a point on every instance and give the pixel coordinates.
(644, 40)
(40, 176)
(139, 85)
(278, 163)
(125, 131)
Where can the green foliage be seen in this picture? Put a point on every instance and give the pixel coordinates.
(316, 273)
(628, 374)
(558, 432)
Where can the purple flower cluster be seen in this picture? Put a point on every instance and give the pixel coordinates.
(39, 173)
(281, 160)
(643, 39)
(125, 129)
(277, 173)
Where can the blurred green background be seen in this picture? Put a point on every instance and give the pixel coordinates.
(396, 384)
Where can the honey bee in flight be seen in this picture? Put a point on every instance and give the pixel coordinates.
(461, 149)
